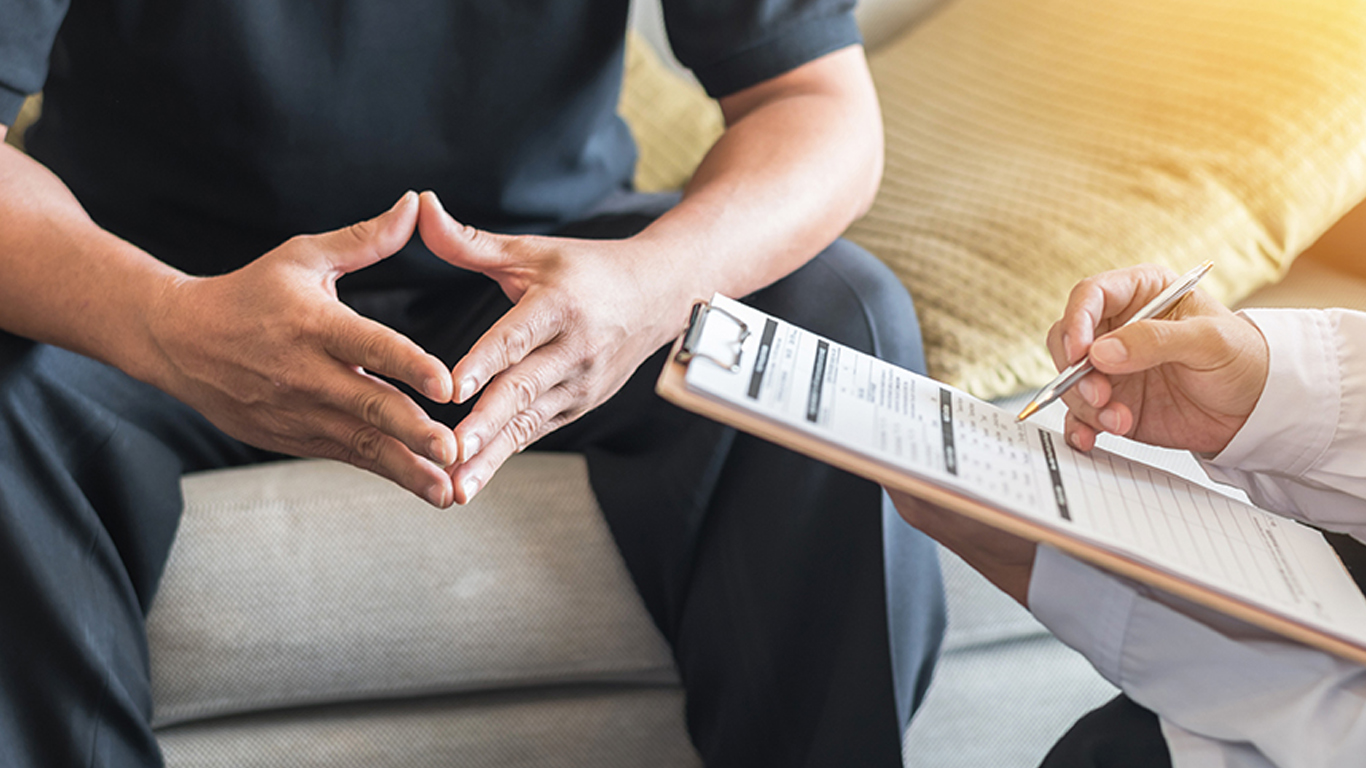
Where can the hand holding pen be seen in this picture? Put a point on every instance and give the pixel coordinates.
(1187, 380)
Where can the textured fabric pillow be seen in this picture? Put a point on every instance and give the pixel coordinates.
(1033, 142)
(673, 121)
(32, 106)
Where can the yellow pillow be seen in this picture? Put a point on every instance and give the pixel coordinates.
(671, 118)
(27, 114)
(1033, 142)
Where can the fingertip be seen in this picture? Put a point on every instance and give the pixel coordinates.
(437, 228)
(1109, 352)
(469, 445)
(1095, 390)
(440, 495)
(431, 199)
(467, 488)
(1087, 389)
(442, 447)
(1079, 435)
(437, 388)
(395, 226)
(468, 386)
(405, 207)
(1081, 438)
(1117, 419)
(433, 210)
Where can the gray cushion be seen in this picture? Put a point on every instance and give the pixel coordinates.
(574, 727)
(1003, 704)
(310, 582)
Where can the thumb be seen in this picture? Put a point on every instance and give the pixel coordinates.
(364, 243)
(1197, 343)
(459, 245)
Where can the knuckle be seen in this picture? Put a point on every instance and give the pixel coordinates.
(288, 382)
(1163, 272)
(578, 389)
(573, 315)
(524, 428)
(314, 323)
(473, 236)
(561, 419)
(370, 406)
(518, 342)
(365, 443)
(1084, 288)
(524, 391)
(358, 233)
(370, 346)
(1221, 339)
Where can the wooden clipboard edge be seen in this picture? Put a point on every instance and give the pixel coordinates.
(672, 386)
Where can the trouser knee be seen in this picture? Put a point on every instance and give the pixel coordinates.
(1118, 734)
(849, 295)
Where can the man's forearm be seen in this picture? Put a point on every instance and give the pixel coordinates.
(267, 353)
(800, 160)
(66, 281)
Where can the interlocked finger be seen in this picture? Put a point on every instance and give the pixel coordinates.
(527, 328)
(512, 393)
(381, 405)
(1080, 435)
(551, 411)
(375, 347)
(345, 438)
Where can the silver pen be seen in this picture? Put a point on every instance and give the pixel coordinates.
(1078, 370)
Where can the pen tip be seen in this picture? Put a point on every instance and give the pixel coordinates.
(1027, 412)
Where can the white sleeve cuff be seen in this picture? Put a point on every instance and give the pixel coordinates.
(1282, 435)
(1086, 608)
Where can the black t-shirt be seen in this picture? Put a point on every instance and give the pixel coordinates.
(209, 131)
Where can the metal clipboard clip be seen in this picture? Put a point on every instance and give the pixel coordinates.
(687, 351)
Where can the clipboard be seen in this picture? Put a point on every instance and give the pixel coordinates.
(721, 334)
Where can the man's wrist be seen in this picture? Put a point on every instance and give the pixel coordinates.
(137, 314)
(675, 272)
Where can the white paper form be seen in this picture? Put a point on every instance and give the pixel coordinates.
(915, 425)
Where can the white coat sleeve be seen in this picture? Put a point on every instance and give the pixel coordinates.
(1231, 695)
(1243, 698)
(1302, 452)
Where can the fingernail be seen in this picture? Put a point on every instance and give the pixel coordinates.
(470, 487)
(1087, 390)
(1075, 439)
(1110, 420)
(468, 386)
(469, 445)
(402, 200)
(434, 389)
(439, 451)
(436, 495)
(1111, 351)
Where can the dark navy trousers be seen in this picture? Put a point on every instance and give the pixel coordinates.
(803, 615)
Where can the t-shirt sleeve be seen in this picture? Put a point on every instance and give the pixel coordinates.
(730, 46)
(26, 37)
